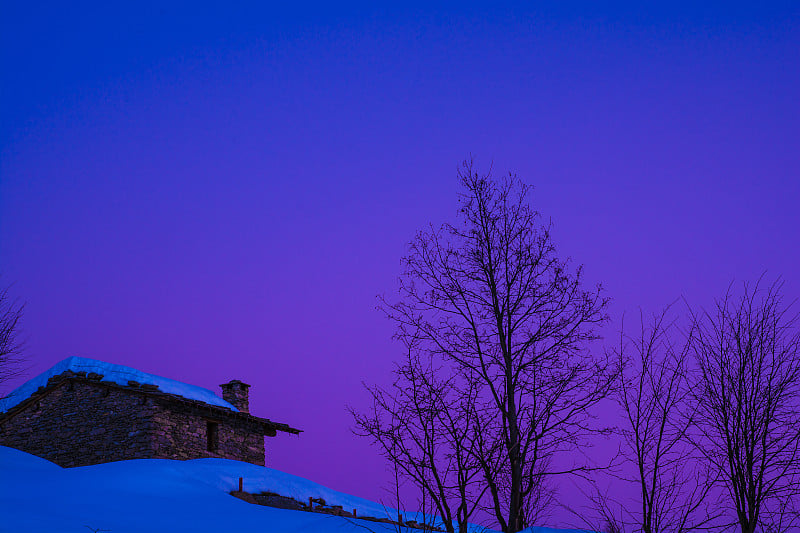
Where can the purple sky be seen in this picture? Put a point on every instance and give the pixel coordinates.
(208, 193)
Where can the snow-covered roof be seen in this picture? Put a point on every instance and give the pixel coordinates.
(116, 373)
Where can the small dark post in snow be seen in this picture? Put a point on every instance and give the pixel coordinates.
(241, 484)
(354, 513)
(310, 502)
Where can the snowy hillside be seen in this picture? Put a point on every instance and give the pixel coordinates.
(158, 495)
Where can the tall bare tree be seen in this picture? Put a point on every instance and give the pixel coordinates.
(748, 404)
(10, 342)
(490, 298)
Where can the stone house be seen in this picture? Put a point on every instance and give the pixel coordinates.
(83, 412)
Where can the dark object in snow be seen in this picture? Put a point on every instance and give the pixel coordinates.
(81, 418)
(245, 496)
(318, 505)
(276, 500)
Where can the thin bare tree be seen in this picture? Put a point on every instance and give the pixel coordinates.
(11, 344)
(423, 426)
(490, 298)
(748, 404)
(653, 393)
(656, 460)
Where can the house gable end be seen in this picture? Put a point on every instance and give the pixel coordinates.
(80, 418)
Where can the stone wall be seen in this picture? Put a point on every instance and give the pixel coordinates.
(76, 422)
(182, 433)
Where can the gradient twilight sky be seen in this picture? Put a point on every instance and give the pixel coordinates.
(208, 192)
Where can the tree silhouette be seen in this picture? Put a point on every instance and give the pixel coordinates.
(748, 404)
(10, 343)
(507, 322)
(654, 397)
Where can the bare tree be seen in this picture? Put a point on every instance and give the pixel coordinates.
(653, 394)
(748, 404)
(490, 298)
(10, 342)
(423, 425)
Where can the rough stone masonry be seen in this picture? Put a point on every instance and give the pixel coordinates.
(80, 419)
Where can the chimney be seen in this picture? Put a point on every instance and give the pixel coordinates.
(235, 392)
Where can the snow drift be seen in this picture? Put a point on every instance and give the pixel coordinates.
(166, 496)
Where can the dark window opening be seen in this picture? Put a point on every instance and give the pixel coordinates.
(212, 436)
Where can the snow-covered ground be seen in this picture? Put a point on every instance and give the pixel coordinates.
(164, 496)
